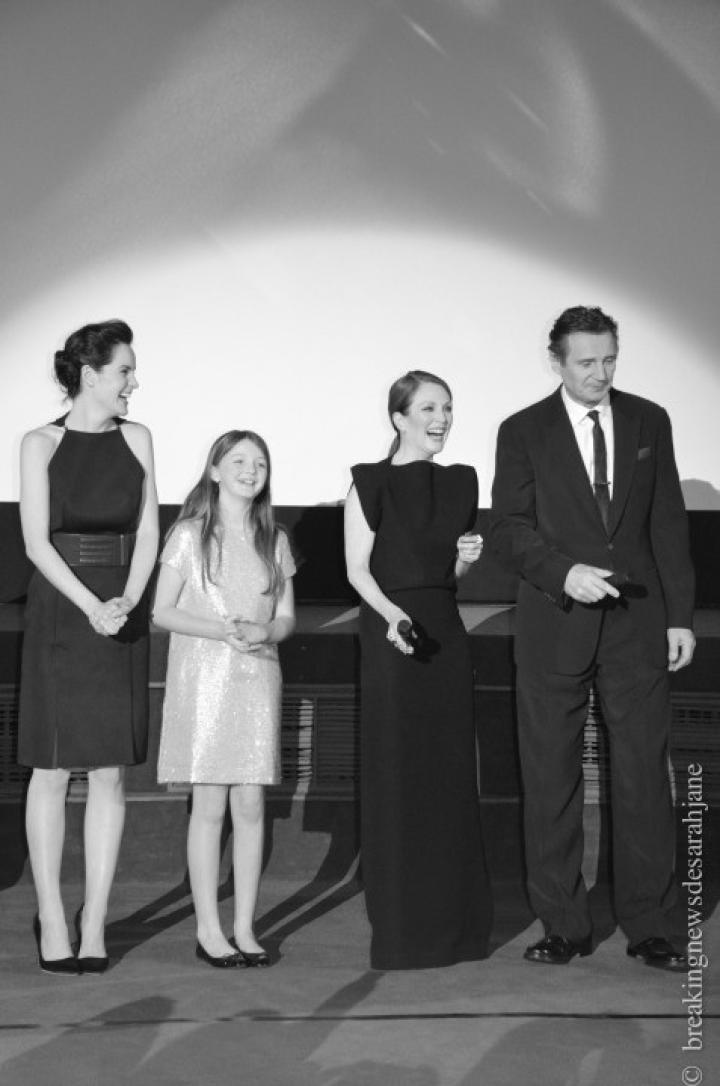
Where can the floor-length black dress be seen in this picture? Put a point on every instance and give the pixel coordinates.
(83, 697)
(426, 886)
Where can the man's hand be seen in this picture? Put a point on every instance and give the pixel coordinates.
(681, 646)
(587, 584)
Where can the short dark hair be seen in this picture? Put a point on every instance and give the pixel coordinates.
(92, 345)
(580, 318)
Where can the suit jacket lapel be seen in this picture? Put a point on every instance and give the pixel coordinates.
(626, 433)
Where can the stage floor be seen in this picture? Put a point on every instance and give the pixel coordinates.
(320, 1016)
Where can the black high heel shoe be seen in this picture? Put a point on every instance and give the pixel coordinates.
(252, 959)
(67, 967)
(225, 961)
(88, 963)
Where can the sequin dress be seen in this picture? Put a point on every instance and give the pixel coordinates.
(221, 716)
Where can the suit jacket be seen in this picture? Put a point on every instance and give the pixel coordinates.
(545, 519)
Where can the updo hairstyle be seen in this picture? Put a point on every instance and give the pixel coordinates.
(92, 346)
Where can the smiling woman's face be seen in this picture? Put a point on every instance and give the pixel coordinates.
(113, 383)
(425, 426)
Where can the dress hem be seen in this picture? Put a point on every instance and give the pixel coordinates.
(82, 767)
(432, 961)
(188, 780)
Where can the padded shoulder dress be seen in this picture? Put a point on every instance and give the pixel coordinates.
(426, 885)
(84, 697)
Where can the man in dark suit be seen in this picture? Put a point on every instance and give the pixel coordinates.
(587, 509)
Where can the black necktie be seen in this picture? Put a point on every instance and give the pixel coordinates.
(600, 479)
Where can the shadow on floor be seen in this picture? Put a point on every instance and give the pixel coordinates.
(335, 881)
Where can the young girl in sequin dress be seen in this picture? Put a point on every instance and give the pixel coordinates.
(225, 593)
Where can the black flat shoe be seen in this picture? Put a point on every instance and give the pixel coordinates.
(59, 967)
(88, 963)
(93, 965)
(225, 961)
(252, 959)
(557, 950)
(658, 953)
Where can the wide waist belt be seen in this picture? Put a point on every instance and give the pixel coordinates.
(94, 550)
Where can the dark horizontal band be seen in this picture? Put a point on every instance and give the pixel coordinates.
(94, 550)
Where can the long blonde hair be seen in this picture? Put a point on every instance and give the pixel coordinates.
(202, 505)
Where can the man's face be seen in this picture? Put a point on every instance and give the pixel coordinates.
(588, 367)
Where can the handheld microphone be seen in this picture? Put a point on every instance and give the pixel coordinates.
(408, 632)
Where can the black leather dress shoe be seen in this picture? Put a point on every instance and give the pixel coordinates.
(557, 950)
(225, 961)
(659, 953)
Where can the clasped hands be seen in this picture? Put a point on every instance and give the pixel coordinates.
(245, 636)
(109, 617)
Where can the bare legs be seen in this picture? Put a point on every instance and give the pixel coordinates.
(247, 808)
(104, 821)
(45, 825)
(206, 821)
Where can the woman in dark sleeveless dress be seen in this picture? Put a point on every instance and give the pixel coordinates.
(89, 517)
(407, 530)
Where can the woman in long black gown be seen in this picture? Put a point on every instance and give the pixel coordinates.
(89, 519)
(407, 530)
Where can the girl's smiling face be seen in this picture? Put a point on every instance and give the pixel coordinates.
(243, 471)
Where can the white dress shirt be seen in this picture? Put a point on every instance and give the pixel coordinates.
(582, 426)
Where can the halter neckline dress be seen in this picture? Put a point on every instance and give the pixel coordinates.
(84, 697)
